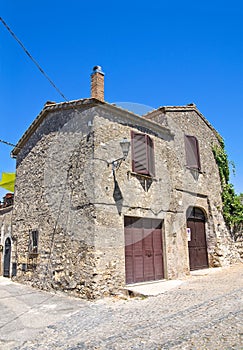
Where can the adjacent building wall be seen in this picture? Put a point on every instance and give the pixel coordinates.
(202, 189)
(5, 232)
(51, 178)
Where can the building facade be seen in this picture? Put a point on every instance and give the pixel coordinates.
(6, 268)
(88, 220)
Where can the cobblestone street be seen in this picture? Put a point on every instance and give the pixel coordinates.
(204, 312)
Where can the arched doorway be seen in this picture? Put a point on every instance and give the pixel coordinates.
(7, 258)
(197, 244)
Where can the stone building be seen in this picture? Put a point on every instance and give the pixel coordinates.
(6, 207)
(89, 219)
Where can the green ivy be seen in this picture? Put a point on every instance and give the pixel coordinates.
(222, 162)
(232, 203)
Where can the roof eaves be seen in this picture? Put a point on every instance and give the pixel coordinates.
(43, 113)
(136, 119)
(190, 107)
(5, 210)
(52, 107)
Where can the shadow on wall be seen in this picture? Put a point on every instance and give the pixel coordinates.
(117, 195)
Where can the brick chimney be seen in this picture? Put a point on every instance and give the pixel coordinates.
(97, 83)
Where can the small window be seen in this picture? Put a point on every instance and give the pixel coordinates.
(33, 241)
(192, 152)
(142, 154)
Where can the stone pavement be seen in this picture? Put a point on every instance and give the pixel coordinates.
(25, 312)
(153, 288)
(204, 312)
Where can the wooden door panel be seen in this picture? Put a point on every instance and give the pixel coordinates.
(148, 269)
(143, 250)
(201, 238)
(148, 256)
(128, 237)
(158, 254)
(193, 258)
(138, 269)
(129, 269)
(158, 267)
(197, 247)
(157, 241)
(202, 257)
(7, 258)
(138, 241)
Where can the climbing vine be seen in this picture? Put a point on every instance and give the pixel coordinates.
(232, 203)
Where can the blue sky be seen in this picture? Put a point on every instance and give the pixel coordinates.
(153, 53)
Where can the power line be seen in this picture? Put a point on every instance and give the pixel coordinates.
(34, 153)
(7, 143)
(40, 69)
(33, 60)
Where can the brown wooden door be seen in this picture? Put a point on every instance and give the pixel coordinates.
(143, 250)
(197, 246)
(7, 258)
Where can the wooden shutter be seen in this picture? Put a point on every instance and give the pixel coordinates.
(192, 152)
(150, 149)
(142, 154)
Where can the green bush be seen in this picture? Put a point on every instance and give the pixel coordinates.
(232, 203)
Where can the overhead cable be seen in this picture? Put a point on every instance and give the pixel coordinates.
(7, 143)
(32, 59)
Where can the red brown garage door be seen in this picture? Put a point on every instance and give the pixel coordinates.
(197, 245)
(143, 250)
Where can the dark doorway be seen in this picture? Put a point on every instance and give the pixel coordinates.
(7, 258)
(143, 250)
(197, 244)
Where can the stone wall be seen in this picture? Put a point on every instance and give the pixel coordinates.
(188, 121)
(5, 232)
(52, 197)
(154, 201)
(239, 247)
(173, 190)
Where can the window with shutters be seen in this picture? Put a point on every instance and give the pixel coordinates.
(33, 241)
(192, 152)
(142, 154)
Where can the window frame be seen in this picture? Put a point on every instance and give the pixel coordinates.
(33, 241)
(195, 152)
(148, 167)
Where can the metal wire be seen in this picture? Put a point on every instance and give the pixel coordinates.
(32, 59)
